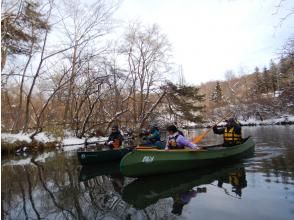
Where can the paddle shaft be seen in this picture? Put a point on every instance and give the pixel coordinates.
(200, 137)
(84, 143)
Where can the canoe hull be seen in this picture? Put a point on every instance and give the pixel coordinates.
(96, 157)
(152, 162)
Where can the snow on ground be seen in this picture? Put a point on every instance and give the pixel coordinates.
(272, 121)
(253, 121)
(45, 137)
(73, 143)
(11, 138)
(41, 137)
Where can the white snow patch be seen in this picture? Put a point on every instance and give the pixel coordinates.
(44, 137)
(73, 142)
(11, 138)
(41, 137)
(272, 121)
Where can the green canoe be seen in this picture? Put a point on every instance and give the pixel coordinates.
(94, 157)
(145, 162)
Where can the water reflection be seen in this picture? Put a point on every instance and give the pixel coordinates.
(54, 186)
(91, 171)
(52, 191)
(110, 169)
(182, 187)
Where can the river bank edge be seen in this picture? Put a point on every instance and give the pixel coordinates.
(21, 142)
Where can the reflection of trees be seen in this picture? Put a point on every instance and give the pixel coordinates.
(52, 190)
(100, 195)
(276, 158)
(23, 199)
(278, 169)
(30, 193)
(51, 195)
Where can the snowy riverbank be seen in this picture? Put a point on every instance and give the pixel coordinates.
(21, 142)
(283, 120)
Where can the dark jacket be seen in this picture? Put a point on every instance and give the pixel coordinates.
(115, 135)
(232, 134)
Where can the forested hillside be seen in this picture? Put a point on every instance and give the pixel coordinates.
(262, 94)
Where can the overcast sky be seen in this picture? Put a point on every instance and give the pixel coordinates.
(210, 37)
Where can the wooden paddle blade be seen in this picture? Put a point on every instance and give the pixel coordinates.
(198, 139)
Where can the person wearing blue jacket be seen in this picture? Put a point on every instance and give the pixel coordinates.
(153, 138)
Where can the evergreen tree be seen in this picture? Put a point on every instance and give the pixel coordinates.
(266, 81)
(259, 82)
(217, 94)
(257, 86)
(21, 29)
(274, 76)
(184, 102)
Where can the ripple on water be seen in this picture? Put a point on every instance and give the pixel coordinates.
(266, 152)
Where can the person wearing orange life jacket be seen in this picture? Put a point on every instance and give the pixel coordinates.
(231, 132)
(115, 139)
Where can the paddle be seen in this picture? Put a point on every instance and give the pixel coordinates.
(200, 137)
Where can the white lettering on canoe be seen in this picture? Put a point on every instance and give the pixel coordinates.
(148, 159)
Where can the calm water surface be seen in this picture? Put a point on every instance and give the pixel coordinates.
(54, 186)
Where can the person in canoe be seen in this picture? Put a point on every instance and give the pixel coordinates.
(177, 141)
(153, 137)
(231, 132)
(179, 131)
(115, 139)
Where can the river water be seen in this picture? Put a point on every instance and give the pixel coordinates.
(53, 185)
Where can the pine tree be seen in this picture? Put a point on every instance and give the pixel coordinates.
(21, 29)
(274, 76)
(184, 102)
(266, 81)
(217, 94)
(258, 82)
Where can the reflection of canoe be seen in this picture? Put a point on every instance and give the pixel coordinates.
(91, 171)
(94, 157)
(148, 190)
(144, 162)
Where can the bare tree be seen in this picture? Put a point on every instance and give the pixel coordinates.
(83, 25)
(147, 51)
